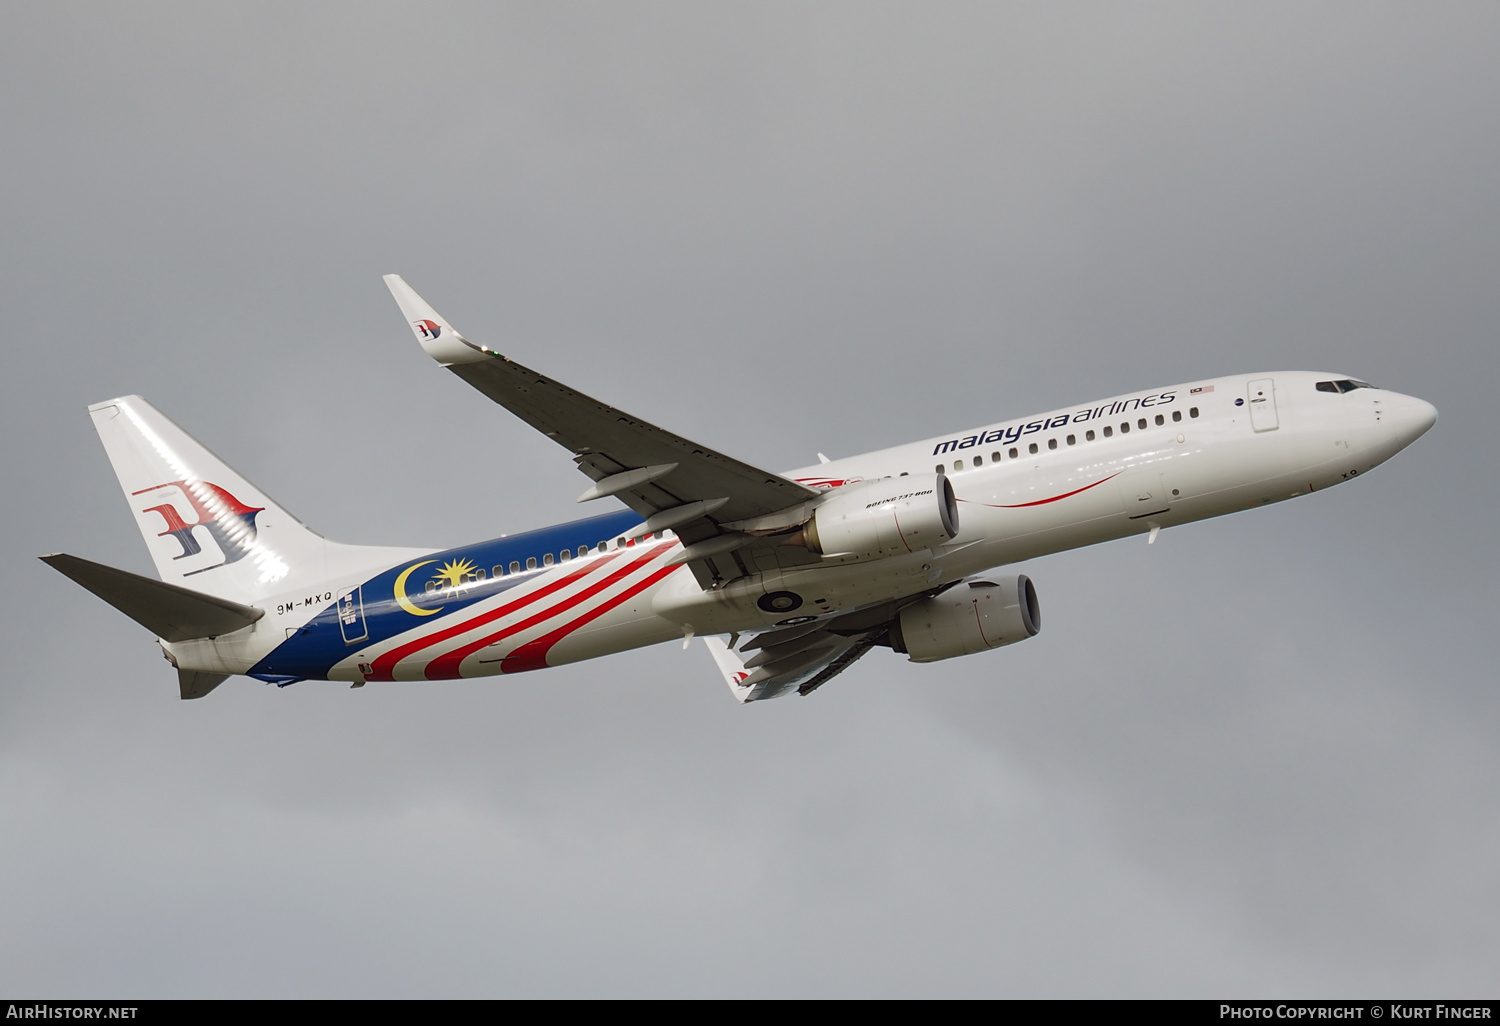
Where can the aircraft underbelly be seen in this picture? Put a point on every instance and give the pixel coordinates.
(622, 629)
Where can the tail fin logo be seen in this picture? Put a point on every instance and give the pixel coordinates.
(427, 329)
(228, 521)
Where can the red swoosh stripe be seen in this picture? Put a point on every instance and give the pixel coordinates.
(384, 667)
(446, 666)
(533, 654)
(1064, 495)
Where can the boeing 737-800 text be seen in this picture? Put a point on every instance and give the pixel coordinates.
(788, 578)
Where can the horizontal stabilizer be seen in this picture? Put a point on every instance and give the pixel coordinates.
(170, 612)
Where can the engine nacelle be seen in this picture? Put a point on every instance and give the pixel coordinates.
(976, 614)
(889, 517)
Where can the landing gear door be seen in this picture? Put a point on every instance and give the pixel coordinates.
(352, 616)
(1262, 400)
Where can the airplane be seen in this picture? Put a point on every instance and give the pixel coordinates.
(788, 578)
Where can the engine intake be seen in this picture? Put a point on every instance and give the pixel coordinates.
(974, 615)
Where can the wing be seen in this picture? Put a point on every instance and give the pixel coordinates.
(803, 664)
(669, 480)
(803, 657)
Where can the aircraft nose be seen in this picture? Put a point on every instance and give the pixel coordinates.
(1411, 418)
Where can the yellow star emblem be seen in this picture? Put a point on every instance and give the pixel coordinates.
(455, 572)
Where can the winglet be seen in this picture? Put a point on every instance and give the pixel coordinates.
(438, 337)
(731, 666)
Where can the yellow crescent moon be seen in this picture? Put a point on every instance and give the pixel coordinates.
(406, 603)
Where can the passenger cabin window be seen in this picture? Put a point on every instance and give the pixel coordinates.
(1072, 439)
(1193, 412)
(499, 571)
(547, 560)
(1033, 447)
(1014, 454)
(583, 550)
(531, 562)
(1109, 432)
(1088, 436)
(515, 566)
(994, 457)
(958, 464)
(1160, 420)
(1176, 415)
(938, 469)
(1052, 443)
(978, 461)
(566, 554)
(1125, 427)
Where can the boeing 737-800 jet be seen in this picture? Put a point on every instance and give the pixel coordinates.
(788, 578)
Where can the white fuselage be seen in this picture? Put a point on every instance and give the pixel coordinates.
(1072, 477)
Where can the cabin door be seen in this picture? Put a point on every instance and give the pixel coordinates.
(1262, 400)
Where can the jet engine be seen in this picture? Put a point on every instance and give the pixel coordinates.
(889, 517)
(976, 614)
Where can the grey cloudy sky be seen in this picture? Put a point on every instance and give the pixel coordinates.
(1257, 757)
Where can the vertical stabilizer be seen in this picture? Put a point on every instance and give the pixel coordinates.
(207, 528)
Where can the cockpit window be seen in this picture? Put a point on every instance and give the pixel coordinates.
(1345, 385)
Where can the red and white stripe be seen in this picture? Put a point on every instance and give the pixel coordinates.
(556, 604)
